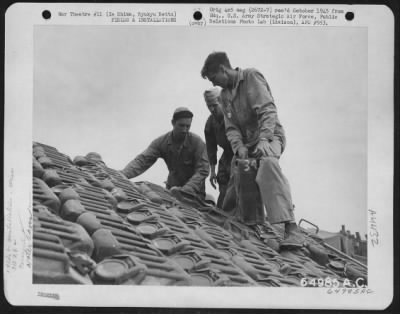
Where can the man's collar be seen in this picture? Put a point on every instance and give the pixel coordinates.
(169, 138)
(185, 141)
(240, 77)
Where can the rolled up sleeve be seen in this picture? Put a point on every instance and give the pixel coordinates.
(233, 135)
(211, 143)
(143, 161)
(202, 170)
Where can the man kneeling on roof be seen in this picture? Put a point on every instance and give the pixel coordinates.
(183, 152)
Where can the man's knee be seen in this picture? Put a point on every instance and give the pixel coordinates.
(269, 162)
(269, 167)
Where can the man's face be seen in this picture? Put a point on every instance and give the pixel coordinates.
(181, 127)
(215, 109)
(219, 78)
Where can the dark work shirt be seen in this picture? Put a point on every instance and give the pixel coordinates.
(215, 135)
(188, 166)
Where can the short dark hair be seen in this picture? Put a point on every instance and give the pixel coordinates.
(213, 61)
(181, 112)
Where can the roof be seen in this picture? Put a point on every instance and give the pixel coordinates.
(94, 226)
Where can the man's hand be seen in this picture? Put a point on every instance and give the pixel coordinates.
(176, 192)
(175, 189)
(188, 189)
(243, 152)
(122, 173)
(180, 189)
(181, 192)
(213, 177)
(263, 149)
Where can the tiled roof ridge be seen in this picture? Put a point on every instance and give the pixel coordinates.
(110, 230)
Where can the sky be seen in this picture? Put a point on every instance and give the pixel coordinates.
(113, 89)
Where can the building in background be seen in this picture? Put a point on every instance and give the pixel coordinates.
(346, 242)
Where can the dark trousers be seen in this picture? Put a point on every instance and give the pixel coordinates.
(243, 199)
(223, 177)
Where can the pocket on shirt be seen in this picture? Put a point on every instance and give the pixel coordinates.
(188, 163)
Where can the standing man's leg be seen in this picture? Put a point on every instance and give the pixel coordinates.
(276, 196)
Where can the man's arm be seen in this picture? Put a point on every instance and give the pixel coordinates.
(232, 131)
(212, 148)
(143, 161)
(211, 143)
(235, 138)
(202, 170)
(261, 100)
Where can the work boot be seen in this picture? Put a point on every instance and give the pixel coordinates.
(260, 230)
(292, 238)
(272, 243)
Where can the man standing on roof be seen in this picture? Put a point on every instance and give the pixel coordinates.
(215, 135)
(183, 152)
(254, 130)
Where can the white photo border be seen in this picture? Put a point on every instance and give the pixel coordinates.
(20, 20)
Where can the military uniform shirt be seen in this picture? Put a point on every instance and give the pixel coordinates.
(188, 166)
(250, 112)
(215, 135)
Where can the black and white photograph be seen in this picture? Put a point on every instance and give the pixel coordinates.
(187, 159)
